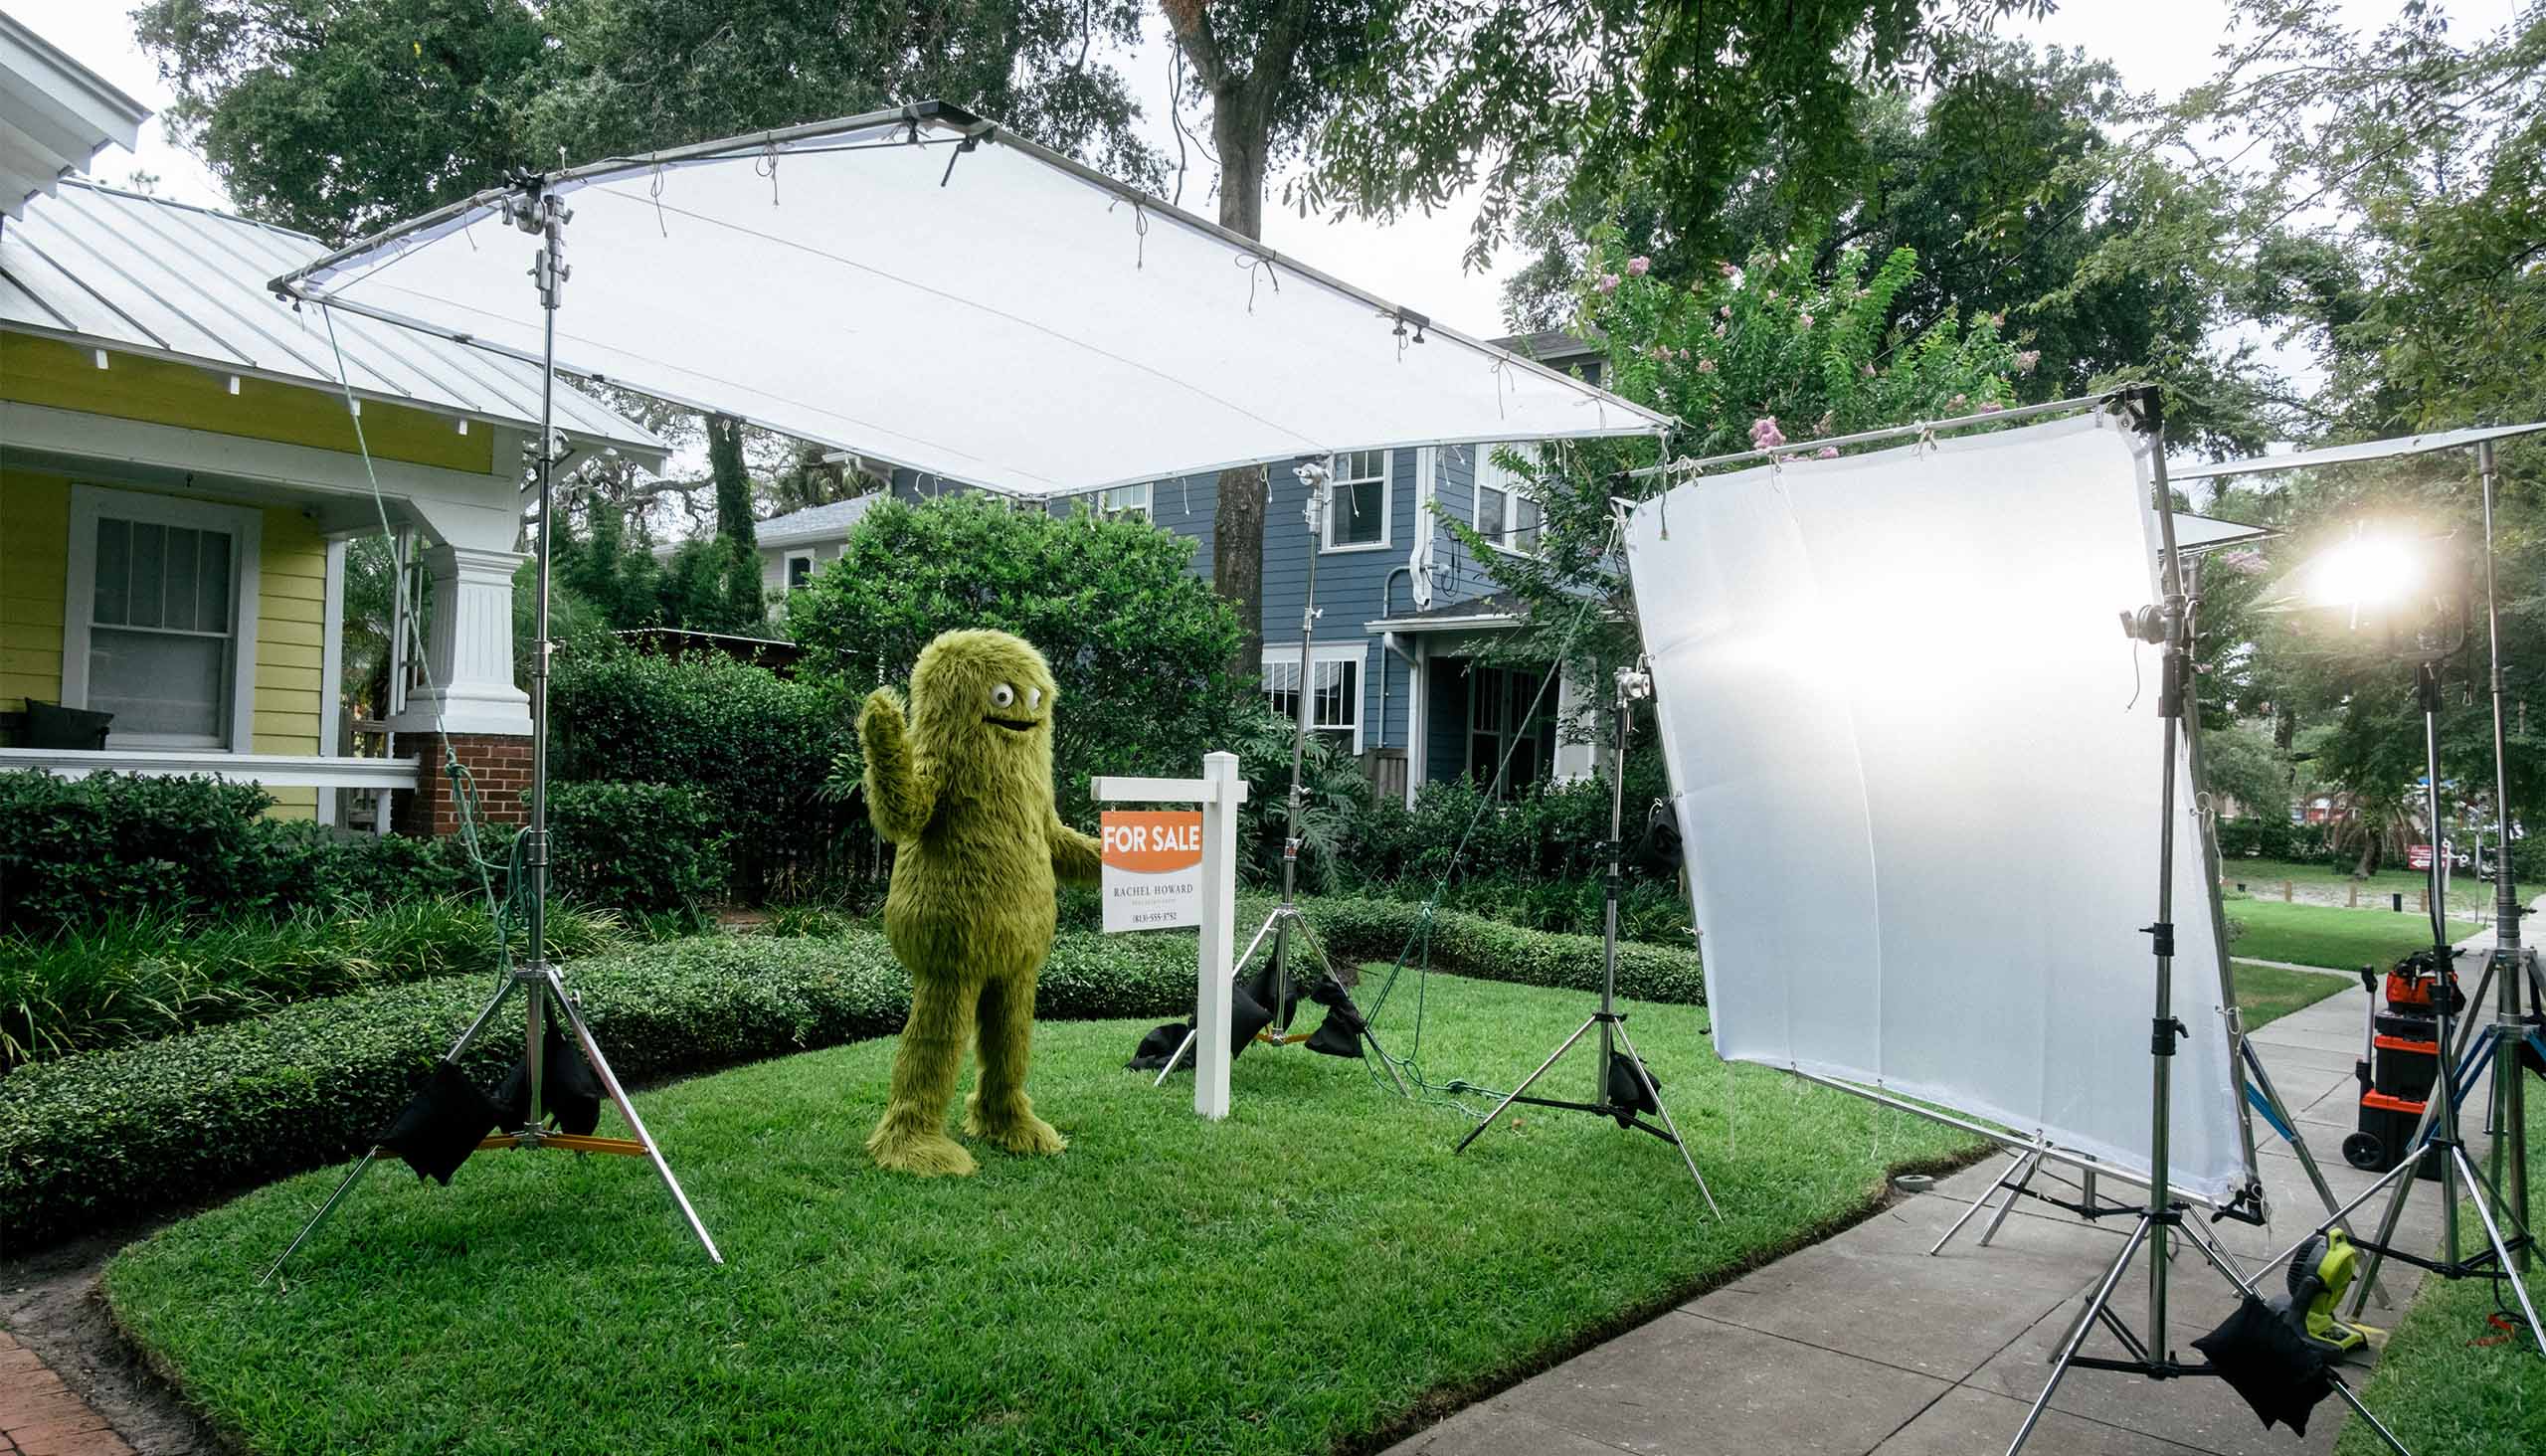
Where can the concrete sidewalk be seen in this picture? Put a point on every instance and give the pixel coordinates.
(1864, 1343)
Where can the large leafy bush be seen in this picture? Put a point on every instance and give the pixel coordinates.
(648, 849)
(754, 747)
(1139, 646)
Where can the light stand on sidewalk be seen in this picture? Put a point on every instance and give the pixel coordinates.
(2167, 624)
(1639, 1094)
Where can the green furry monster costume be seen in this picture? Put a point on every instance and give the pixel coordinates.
(963, 788)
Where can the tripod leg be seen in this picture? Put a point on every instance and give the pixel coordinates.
(619, 1099)
(2227, 1267)
(2502, 1248)
(1979, 1203)
(2337, 1217)
(1326, 968)
(1182, 1047)
(2077, 1335)
(2396, 1202)
(1515, 1094)
(2015, 1190)
(1644, 1079)
(320, 1216)
(459, 1048)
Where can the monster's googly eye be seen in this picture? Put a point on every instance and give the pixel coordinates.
(1002, 696)
(1033, 698)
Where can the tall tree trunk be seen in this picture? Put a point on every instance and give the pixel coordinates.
(743, 609)
(1237, 529)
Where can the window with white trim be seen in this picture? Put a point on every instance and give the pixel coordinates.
(1126, 500)
(1360, 520)
(1508, 716)
(799, 570)
(1335, 704)
(159, 620)
(1507, 514)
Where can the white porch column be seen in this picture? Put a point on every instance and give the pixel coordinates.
(469, 647)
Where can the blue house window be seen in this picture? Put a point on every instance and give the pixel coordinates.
(1360, 520)
(1335, 704)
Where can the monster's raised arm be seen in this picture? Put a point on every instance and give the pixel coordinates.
(899, 797)
(1078, 859)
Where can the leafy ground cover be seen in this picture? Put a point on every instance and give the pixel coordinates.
(2328, 936)
(2266, 993)
(1321, 1270)
(2453, 1381)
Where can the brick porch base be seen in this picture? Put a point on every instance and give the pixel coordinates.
(499, 763)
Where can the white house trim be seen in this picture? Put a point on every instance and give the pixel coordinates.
(275, 770)
(1356, 653)
(331, 670)
(92, 504)
(1387, 507)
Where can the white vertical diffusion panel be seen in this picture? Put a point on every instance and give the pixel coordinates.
(1917, 766)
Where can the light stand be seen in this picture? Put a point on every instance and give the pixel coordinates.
(2497, 1043)
(2169, 624)
(544, 215)
(1634, 685)
(1285, 919)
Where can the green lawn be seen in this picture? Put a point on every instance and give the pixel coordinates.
(2448, 1384)
(1320, 1271)
(2266, 993)
(2328, 936)
(2262, 878)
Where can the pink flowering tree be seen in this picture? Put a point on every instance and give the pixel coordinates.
(1760, 354)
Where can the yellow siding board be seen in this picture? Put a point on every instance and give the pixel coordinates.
(39, 371)
(277, 663)
(271, 634)
(35, 531)
(44, 611)
(293, 804)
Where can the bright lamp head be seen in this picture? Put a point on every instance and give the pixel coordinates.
(2367, 573)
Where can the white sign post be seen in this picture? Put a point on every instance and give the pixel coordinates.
(1220, 791)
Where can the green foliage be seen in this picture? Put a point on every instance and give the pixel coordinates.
(2241, 762)
(112, 1134)
(1676, 102)
(1139, 648)
(117, 981)
(2268, 837)
(646, 850)
(752, 746)
(339, 117)
(81, 852)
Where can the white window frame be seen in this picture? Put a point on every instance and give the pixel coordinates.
(1509, 487)
(246, 526)
(1117, 501)
(787, 570)
(1356, 653)
(1387, 503)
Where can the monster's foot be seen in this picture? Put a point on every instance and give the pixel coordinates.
(1021, 1132)
(924, 1152)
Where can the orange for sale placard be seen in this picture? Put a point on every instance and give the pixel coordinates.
(1153, 868)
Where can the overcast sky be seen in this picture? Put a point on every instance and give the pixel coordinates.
(2157, 45)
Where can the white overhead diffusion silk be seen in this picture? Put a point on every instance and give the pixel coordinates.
(994, 315)
(1917, 769)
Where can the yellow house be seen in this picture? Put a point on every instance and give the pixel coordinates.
(180, 474)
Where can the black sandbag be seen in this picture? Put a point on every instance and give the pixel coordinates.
(441, 1125)
(2274, 1367)
(568, 1091)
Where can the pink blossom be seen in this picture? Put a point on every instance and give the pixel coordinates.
(1705, 366)
(1803, 320)
(1772, 295)
(2026, 360)
(1684, 356)
(1728, 270)
(1826, 452)
(1822, 425)
(1638, 267)
(1718, 330)
(1990, 407)
(1725, 312)
(1764, 433)
(1958, 401)
(1998, 320)
(1866, 369)
(1661, 352)
(1608, 284)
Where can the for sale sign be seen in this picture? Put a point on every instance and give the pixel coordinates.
(1153, 868)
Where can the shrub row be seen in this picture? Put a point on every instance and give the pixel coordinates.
(2272, 838)
(125, 981)
(79, 851)
(108, 1135)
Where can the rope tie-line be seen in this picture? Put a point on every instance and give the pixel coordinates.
(655, 190)
(503, 912)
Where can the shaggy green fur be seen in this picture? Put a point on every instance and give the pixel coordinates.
(963, 790)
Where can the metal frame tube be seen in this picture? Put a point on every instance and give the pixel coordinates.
(1893, 432)
(2510, 1147)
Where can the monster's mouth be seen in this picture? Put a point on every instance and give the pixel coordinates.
(1014, 725)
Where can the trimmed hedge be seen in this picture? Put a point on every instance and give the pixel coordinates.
(99, 1136)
